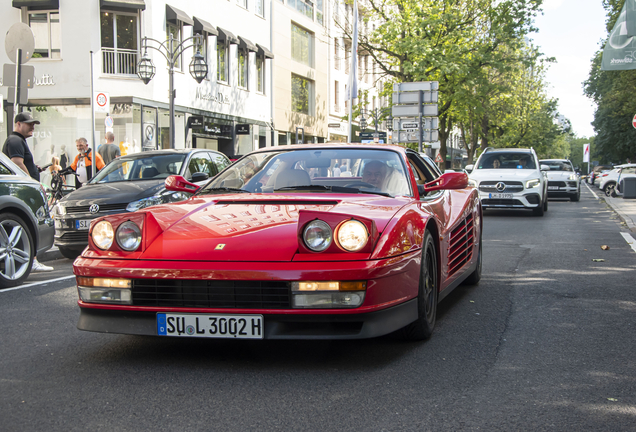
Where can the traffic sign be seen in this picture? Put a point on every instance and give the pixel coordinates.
(367, 135)
(413, 110)
(634, 121)
(427, 136)
(413, 97)
(102, 102)
(438, 158)
(24, 96)
(27, 76)
(411, 123)
(108, 122)
(19, 37)
(416, 86)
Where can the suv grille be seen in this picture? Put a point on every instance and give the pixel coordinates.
(491, 186)
(102, 208)
(211, 293)
(460, 248)
(556, 183)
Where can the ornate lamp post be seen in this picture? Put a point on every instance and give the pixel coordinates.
(198, 66)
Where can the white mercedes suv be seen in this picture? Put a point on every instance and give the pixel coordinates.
(510, 179)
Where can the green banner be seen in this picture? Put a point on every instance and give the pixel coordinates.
(620, 49)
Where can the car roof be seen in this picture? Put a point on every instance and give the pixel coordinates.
(629, 165)
(555, 160)
(511, 150)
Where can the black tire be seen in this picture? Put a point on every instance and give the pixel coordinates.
(545, 204)
(576, 197)
(539, 210)
(69, 253)
(475, 276)
(422, 328)
(16, 249)
(609, 188)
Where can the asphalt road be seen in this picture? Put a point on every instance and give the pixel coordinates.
(545, 342)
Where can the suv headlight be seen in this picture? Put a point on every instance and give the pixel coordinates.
(572, 177)
(533, 183)
(161, 198)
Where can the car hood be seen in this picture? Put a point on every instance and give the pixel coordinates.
(113, 193)
(559, 175)
(504, 174)
(237, 228)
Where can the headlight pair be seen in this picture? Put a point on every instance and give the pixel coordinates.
(128, 235)
(352, 235)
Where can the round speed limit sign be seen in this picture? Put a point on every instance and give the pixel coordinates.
(102, 102)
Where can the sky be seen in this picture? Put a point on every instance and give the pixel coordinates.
(571, 31)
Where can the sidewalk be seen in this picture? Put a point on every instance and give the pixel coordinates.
(626, 208)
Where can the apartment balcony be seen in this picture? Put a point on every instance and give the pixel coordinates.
(119, 61)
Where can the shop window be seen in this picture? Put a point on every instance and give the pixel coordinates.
(302, 90)
(260, 74)
(120, 46)
(46, 30)
(302, 45)
(222, 64)
(243, 62)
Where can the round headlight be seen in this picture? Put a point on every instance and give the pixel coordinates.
(317, 235)
(352, 235)
(128, 236)
(103, 235)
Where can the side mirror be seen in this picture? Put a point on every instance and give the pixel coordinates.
(199, 177)
(545, 168)
(469, 168)
(448, 181)
(177, 183)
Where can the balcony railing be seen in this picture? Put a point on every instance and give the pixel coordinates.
(119, 61)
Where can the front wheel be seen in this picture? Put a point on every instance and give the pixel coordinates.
(609, 189)
(16, 250)
(576, 197)
(539, 210)
(422, 328)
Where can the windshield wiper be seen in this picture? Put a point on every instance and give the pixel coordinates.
(335, 189)
(223, 189)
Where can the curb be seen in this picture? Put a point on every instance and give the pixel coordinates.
(630, 221)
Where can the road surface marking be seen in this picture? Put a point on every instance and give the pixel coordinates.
(630, 240)
(37, 283)
(590, 189)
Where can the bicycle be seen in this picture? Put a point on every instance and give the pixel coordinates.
(58, 188)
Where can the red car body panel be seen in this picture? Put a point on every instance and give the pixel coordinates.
(260, 236)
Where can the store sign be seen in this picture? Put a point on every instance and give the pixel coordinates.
(195, 122)
(242, 129)
(218, 98)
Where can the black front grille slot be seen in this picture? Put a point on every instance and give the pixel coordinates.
(75, 236)
(556, 183)
(211, 294)
(102, 208)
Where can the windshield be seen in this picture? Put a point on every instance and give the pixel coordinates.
(502, 160)
(557, 165)
(314, 171)
(140, 167)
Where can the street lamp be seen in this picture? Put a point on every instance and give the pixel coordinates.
(198, 66)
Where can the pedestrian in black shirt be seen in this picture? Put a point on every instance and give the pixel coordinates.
(16, 148)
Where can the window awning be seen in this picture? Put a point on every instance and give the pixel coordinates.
(226, 36)
(201, 26)
(246, 44)
(174, 15)
(123, 5)
(262, 51)
(37, 4)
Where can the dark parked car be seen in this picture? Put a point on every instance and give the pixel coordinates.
(129, 183)
(26, 226)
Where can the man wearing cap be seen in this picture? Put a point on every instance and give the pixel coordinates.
(16, 148)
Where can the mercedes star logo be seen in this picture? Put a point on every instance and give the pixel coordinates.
(501, 186)
(95, 208)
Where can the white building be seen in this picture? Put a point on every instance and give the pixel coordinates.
(231, 110)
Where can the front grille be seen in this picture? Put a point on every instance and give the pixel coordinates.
(102, 208)
(502, 203)
(75, 236)
(556, 183)
(491, 186)
(460, 247)
(211, 294)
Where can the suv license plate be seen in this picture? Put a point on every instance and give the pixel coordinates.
(82, 224)
(210, 325)
(500, 195)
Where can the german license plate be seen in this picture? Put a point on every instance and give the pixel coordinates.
(210, 325)
(553, 188)
(82, 224)
(500, 195)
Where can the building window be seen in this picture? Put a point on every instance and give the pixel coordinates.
(46, 29)
(319, 11)
(260, 7)
(243, 62)
(260, 74)
(336, 54)
(176, 30)
(347, 47)
(302, 89)
(119, 43)
(242, 3)
(302, 45)
(336, 96)
(222, 64)
(305, 7)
